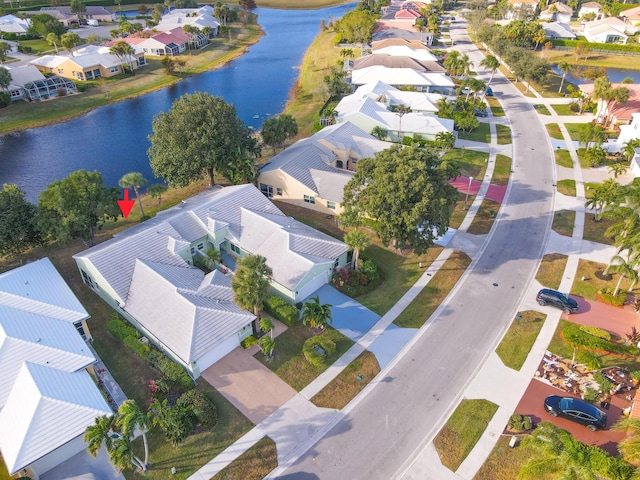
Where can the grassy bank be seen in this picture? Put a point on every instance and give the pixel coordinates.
(21, 115)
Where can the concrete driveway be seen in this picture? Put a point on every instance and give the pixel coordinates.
(250, 386)
(349, 317)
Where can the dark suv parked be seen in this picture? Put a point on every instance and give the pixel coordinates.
(577, 410)
(556, 299)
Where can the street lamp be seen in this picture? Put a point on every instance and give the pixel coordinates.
(400, 114)
(468, 190)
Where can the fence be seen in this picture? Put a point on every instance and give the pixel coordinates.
(599, 51)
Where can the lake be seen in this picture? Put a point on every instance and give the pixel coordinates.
(616, 75)
(113, 139)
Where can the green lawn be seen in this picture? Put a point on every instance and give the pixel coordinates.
(551, 270)
(504, 134)
(517, 342)
(542, 109)
(563, 109)
(588, 287)
(567, 187)
(472, 162)
(563, 158)
(254, 464)
(290, 364)
(459, 212)
(483, 221)
(496, 108)
(479, 134)
(342, 389)
(504, 462)
(431, 296)
(563, 222)
(594, 231)
(40, 46)
(574, 130)
(553, 129)
(462, 431)
(501, 170)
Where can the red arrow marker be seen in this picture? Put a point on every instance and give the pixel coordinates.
(126, 205)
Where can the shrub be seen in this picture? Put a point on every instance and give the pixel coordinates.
(249, 341)
(25, 49)
(61, 91)
(519, 423)
(573, 334)
(154, 358)
(591, 395)
(635, 375)
(5, 99)
(590, 359)
(610, 47)
(281, 310)
(137, 346)
(596, 332)
(370, 269)
(174, 372)
(121, 330)
(574, 107)
(606, 295)
(314, 358)
(203, 410)
(603, 382)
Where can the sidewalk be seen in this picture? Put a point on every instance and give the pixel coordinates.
(298, 425)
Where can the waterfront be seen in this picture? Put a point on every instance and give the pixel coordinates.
(113, 139)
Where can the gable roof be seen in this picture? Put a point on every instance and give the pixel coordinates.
(46, 409)
(12, 24)
(625, 110)
(198, 17)
(391, 96)
(397, 61)
(557, 30)
(631, 13)
(400, 76)
(591, 5)
(395, 41)
(190, 312)
(605, 24)
(407, 51)
(23, 74)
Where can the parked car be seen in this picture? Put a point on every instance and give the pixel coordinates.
(556, 299)
(488, 92)
(576, 410)
(480, 113)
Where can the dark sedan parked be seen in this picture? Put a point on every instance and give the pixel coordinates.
(577, 410)
(556, 299)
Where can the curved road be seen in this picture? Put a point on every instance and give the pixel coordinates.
(390, 425)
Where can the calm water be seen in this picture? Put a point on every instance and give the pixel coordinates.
(113, 139)
(615, 75)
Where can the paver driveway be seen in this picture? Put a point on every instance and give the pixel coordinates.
(250, 386)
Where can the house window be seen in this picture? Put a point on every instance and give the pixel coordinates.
(309, 199)
(336, 264)
(331, 205)
(80, 330)
(201, 246)
(235, 249)
(193, 251)
(87, 278)
(114, 69)
(60, 71)
(267, 190)
(279, 192)
(142, 61)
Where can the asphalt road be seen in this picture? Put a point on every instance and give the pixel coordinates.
(381, 437)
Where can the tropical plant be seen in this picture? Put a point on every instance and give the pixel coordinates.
(605, 193)
(379, 132)
(18, 230)
(250, 283)
(214, 257)
(629, 149)
(125, 53)
(629, 446)
(156, 190)
(445, 141)
(266, 325)
(70, 41)
(595, 155)
(617, 169)
(176, 421)
(53, 40)
(491, 63)
(267, 344)
(565, 67)
(131, 417)
(98, 434)
(134, 180)
(357, 240)
(626, 268)
(315, 314)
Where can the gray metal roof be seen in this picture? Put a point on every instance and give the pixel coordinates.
(47, 408)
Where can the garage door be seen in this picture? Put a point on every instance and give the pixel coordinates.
(309, 289)
(218, 352)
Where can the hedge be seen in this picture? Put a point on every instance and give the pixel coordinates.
(606, 295)
(121, 330)
(203, 410)
(174, 372)
(137, 346)
(573, 334)
(313, 357)
(612, 47)
(596, 332)
(279, 308)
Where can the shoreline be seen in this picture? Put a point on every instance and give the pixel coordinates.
(211, 60)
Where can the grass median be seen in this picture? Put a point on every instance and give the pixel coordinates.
(551, 270)
(563, 222)
(481, 133)
(502, 170)
(563, 158)
(594, 231)
(517, 342)
(567, 187)
(254, 464)
(504, 134)
(484, 218)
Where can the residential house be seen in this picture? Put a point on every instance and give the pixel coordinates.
(429, 82)
(67, 17)
(171, 43)
(13, 24)
(87, 63)
(201, 18)
(372, 106)
(394, 61)
(630, 131)
(614, 113)
(146, 273)
(28, 83)
(418, 54)
(557, 12)
(397, 41)
(590, 8)
(557, 30)
(47, 396)
(606, 30)
(521, 9)
(631, 16)
(313, 172)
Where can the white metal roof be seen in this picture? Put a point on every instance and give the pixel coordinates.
(46, 409)
(23, 74)
(400, 76)
(406, 51)
(198, 17)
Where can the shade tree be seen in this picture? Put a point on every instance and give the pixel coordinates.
(18, 230)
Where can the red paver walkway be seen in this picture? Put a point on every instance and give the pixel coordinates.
(494, 192)
(532, 403)
(598, 314)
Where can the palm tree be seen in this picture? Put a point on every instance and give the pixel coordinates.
(379, 132)
(605, 193)
(266, 325)
(629, 447)
(156, 190)
(129, 417)
(134, 180)
(267, 345)
(99, 433)
(214, 256)
(445, 141)
(316, 314)
(492, 63)
(596, 155)
(357, 240)
(250, 283)
(565, 67)
(589, 133)
(53, 40)
(617, 169)
(629, 149)
(627, 269)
